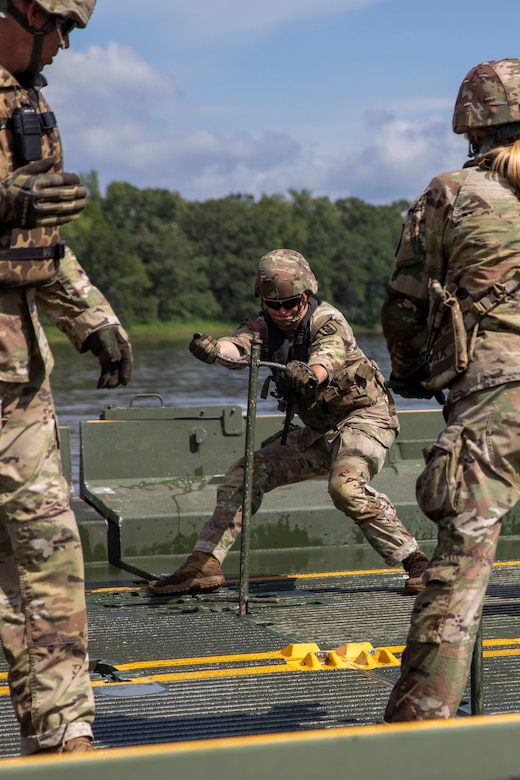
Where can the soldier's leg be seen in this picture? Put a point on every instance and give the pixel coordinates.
(357, 458)
(42, 603)
(303, 457)
(471, 479)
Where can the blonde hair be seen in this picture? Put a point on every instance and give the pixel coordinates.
(505, 160)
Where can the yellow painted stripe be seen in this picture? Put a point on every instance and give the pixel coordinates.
(218, 659)
(222, 659)
(213, 674)
(209, 674)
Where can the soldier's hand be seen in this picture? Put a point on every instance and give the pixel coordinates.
(31, 197)
(112, 348)
(301, 376)
(412, 388)
(204, 347)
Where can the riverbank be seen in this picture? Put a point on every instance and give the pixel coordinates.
(173, 331)
(177, 331)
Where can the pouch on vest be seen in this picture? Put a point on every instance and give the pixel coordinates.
(447, 345)
(453, 326)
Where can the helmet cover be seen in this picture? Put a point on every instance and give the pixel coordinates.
(489, 96)
(284, 273)
(78, 10)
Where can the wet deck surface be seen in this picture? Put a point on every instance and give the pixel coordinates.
(175, 669)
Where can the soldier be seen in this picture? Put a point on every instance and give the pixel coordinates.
(349, 418)
(43, 627)
(451, 319)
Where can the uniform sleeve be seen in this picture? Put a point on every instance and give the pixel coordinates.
(331, 340)
(74, 304)
(419, 257)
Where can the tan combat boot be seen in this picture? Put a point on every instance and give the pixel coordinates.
(74, 745)
(77, 745)
(414, 566)
(201, 571)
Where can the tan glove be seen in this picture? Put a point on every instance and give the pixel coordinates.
(204, 347)
(112, 348)
(301, 376)
(30, 197)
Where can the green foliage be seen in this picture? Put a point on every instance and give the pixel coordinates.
(158, 257)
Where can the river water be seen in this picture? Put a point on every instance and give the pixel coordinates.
(172, 372)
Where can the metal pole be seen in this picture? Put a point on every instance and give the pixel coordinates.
(254, 362)
(477, 675)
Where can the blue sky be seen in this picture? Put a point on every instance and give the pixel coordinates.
(210, 97)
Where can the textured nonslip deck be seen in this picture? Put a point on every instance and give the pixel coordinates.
(190, 668)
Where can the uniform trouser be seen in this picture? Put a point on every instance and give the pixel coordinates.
(43, 628)
(471, 479)
(352, 459)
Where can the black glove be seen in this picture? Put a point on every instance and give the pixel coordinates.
(412, 388)
(204, 347)
(112, 348)
(301, 376)
(30, 197)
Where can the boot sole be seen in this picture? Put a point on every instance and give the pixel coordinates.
(189, 586)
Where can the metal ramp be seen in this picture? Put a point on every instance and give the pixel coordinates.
(315, 651)
(314, 657)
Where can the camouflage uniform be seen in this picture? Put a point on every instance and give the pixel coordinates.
(43, 626)
(464, 231)
(349, 426)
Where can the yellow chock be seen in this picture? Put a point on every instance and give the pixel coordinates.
(365, 660)
(351, 650)
(299, 651)
(384, 657)
(311, 661)
(335, 661)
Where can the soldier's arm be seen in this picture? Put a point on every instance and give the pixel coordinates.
(330, 336)
(74, 304)
(238, 345)
(419, 258)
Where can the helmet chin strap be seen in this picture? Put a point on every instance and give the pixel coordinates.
(34, 66)
(477, 150)
(499, 133)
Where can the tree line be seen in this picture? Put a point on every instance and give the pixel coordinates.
(159, 257)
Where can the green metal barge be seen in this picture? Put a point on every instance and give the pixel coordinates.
(296, 685)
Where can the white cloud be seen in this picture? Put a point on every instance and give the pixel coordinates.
(400, 161)
(100, 79)
(119, 116)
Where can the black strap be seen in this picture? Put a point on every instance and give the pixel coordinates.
(286, 423)
(52, 252)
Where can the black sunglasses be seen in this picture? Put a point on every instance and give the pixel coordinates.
(288, 303)
(65, 24)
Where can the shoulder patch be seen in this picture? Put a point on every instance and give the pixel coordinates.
(329, 329)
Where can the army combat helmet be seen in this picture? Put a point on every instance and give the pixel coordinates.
(283, 274)
(78, 11)
(489, 100)
(65, 15)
